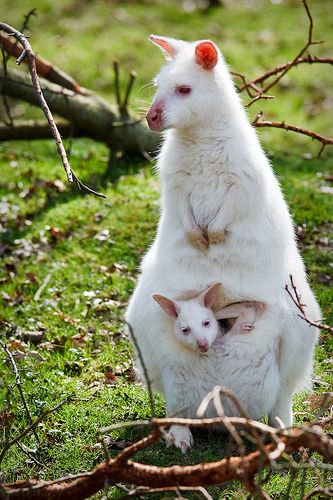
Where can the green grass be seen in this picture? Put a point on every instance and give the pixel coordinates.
(90, 248)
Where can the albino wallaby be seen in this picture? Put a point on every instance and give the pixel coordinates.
(197, 326)
(223, 218)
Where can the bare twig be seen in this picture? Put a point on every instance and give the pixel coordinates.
(18, 385)
(328, 492)
(123, 108)
(308, 59)
(42, 287)
(295, 297)
(32, 427)
(27, 52)
(10, 121)
(145, 371)
(142, 491)
(309, 42)
(117, 84)
(325, 141)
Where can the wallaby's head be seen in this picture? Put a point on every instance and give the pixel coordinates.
(195, 323)
(191, 87)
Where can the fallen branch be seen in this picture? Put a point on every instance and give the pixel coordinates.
(44, 68)
(83, 485)
(88, 114)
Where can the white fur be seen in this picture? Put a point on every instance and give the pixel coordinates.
(213, 170)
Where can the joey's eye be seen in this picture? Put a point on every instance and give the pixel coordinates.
(186, 330)
(206, 323)
(183, 90)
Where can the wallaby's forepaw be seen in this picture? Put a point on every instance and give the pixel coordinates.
(181, 437)
(199, 240)
(216, 237)
(241, 328)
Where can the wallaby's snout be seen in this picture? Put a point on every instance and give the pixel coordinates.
(154, 117)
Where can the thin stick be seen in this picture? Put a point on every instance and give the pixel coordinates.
(140, 491)
(301, 307)
(18, 385)
(4, 97)
(293, 128)
(131, 81)
(301, 52)
(116, 83)
(32, 427)
(145, 371)
(42, 287)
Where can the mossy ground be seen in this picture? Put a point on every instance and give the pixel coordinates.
(89, 249)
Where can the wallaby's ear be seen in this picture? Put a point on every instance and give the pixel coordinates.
(169, 306)
(169, 46)
(208, 297)
(206, 55)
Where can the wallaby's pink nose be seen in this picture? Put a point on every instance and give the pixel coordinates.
(154, 118)
(203, 345)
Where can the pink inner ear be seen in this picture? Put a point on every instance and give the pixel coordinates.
(164, 44)
(206, 55)
(169, 306)
(211, 295)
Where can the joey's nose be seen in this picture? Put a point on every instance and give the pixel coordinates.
(203, 345)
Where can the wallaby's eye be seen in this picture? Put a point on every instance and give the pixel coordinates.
(183, 90)
(206, 323)
(186, 330)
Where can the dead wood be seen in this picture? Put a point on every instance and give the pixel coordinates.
(121, 469)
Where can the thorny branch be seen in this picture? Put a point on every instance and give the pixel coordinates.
(28, 53)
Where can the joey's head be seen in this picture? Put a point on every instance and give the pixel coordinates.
(190, 87)
(195, 323)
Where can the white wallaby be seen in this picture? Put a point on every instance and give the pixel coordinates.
(223, 218)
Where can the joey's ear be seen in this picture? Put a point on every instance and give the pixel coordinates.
(169, 306)
(208, 297)
(206, 55)
(169, 46)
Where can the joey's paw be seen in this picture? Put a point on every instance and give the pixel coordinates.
(241, 328)
(199, 240)
(246, 327)
(216, 237)
(181, 437)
